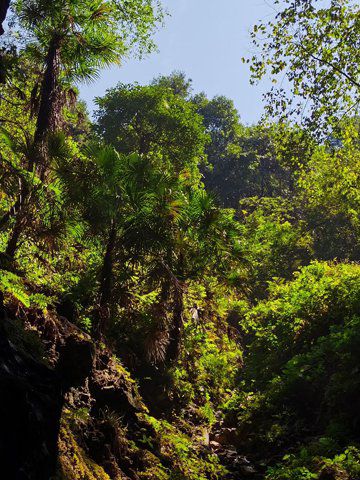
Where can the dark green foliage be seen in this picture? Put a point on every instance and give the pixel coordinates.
(217, 261)
(151, 121)
(249, 161)
(177, 82)
(301, 374)
(275, 241)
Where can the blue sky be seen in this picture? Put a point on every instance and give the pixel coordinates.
(206, 39)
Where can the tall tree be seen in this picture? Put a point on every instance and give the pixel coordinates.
(72, 41)
(154, 122)
(315, 48)
(177, 82)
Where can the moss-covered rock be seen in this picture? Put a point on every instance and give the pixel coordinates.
(73, 462)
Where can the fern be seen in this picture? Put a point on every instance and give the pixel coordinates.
(13, 285)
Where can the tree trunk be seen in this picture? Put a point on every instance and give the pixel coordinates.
(106, 281)
(48, 114)
(10, 213)
(14, 237)
(18, 211)
(48, 117)
(176, 331)
(4, 7)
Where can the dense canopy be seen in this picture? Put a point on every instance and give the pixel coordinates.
(179, 291)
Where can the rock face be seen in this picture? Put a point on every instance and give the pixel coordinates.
(32, 396)
(79, 414)
(36, 438)
(112, 389)
(30, 411)
(224, 442)
(76, 357)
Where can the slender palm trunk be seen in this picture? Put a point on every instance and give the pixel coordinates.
(106, 282)
(176, 331)
(107, 268)
(47, 118)
(14, 237)
(4, 7)
(49, 108)
(19, 214)
(10, 213)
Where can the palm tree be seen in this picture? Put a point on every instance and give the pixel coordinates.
(180, 234)
(133, 206)
(72, 40)
(95, 185)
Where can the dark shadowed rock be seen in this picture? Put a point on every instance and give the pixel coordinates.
(30, 409)
(111, 388)
(333, 473)
(76, 357)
